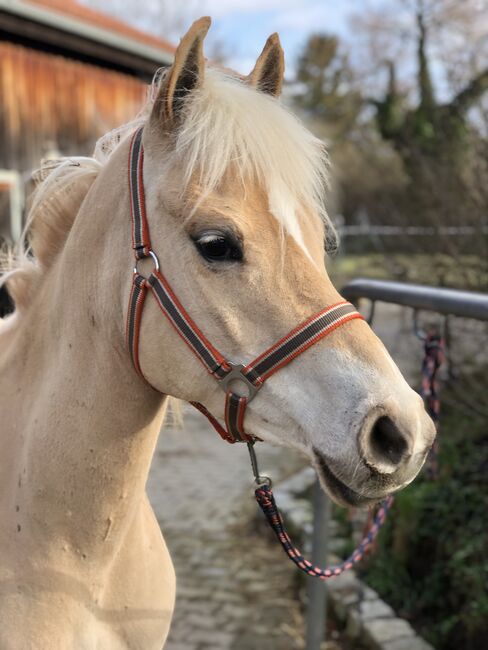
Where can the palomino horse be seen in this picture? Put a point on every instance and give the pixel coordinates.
(233, 189)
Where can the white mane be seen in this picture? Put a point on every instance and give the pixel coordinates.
(227, 122)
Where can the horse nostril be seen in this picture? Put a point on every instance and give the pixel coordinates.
(387, 444)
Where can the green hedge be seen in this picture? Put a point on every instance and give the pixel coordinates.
(431, 564)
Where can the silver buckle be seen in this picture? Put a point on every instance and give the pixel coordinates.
(237, 376)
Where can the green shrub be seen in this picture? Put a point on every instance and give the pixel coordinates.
(432, 559)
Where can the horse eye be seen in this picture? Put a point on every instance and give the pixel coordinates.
(216, 246)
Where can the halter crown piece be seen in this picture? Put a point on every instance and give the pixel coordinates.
(249, 377)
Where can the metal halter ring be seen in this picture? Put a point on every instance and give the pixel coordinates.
(154, 257)
(236, 374)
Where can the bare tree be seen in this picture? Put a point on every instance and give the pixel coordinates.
(454, 41)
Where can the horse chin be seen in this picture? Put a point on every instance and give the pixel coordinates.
(338, 491)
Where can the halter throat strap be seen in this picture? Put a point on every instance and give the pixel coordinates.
(240, 382)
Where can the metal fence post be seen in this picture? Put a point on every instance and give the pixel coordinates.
(316, 590)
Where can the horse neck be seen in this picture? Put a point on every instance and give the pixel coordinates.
(81, 425)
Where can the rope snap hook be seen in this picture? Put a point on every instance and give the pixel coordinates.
(259, 480)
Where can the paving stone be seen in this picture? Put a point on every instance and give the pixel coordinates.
(178, 636)
(366, 610)
(414, 643)
(345, 582)
(197, 621)
(368, 594)
(369, 609)
(343, 602)
(215, 638)
(380, 630)
(226, 597)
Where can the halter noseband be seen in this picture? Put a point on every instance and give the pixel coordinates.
(251, 377)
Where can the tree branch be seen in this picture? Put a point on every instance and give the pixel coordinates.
(465, 99)
(426, 91)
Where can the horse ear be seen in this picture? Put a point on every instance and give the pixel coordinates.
(269, 70)
(185, 74)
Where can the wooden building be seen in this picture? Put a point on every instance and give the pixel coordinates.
(67, 75)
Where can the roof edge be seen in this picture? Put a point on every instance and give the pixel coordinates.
(54, 19)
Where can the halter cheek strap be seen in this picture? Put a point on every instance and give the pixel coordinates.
(249, 378)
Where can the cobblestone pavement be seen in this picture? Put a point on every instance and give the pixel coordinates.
(235, 588)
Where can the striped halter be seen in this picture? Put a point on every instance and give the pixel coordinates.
(240, 383)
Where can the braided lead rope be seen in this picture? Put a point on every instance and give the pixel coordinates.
(433, 358)
(265, 498)
(429, 391)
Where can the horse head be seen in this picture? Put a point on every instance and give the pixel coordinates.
(234, 196)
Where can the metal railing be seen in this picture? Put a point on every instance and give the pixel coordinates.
(368, 230)
(448, 302)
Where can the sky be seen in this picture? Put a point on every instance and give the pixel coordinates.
(240, 29)
(244, 25)
(241, 26)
